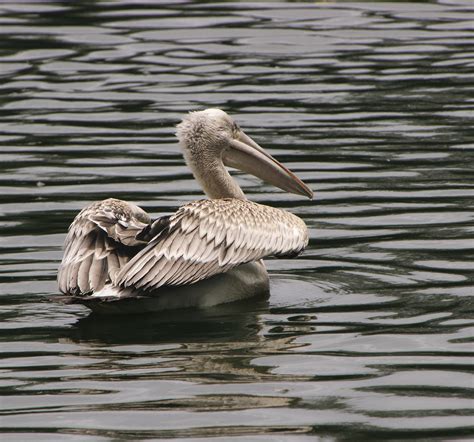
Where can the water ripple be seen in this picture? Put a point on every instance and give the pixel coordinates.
(366, 336)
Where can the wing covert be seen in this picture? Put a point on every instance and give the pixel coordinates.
(207, 237)
(101, 240)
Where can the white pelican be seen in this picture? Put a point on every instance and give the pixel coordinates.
(117, 260)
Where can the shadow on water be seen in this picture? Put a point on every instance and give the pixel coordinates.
(236, 322)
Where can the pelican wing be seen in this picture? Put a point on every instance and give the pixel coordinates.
(101, 240)
(208, 237)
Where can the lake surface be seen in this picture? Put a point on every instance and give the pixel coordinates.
(367, 336)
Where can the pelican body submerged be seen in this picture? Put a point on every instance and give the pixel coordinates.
(118, 260)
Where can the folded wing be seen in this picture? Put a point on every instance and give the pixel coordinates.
(208, 237)
(100, 241)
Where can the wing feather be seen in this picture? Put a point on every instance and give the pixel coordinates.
(83, 274)
(101, 240)
(97, 274)
(208, 237)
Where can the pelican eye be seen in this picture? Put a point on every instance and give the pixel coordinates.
(235, 128)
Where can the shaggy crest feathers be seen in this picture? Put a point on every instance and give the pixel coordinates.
(204, 136)
(205, 132)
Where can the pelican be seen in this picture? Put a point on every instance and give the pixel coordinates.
(118, 260)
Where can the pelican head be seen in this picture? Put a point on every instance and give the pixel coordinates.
(211, 138)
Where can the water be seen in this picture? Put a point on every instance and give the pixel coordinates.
(366, 336)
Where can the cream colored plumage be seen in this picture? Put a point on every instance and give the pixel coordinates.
(113, 250)
(208, 237)
(100, 241)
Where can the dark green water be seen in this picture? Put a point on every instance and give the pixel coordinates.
(367, 336)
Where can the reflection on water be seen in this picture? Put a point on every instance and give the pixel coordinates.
(368, 335)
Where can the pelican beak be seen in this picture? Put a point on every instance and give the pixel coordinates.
(246, 155)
